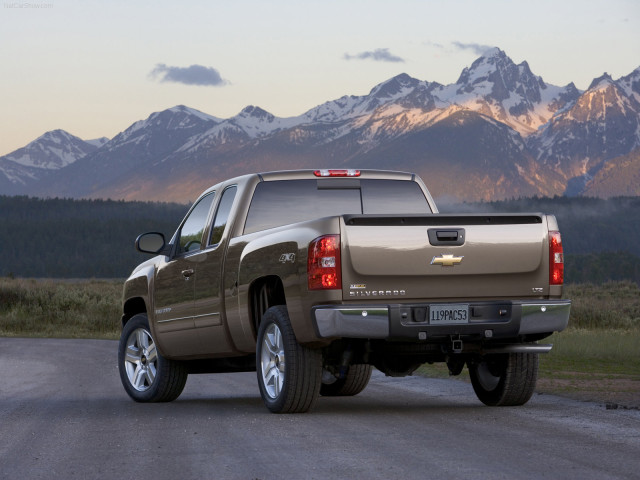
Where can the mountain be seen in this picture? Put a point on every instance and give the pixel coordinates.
(491, 163)
(602, 124)
(498, 132)
(52, 151)
(509, 93)
(138, 148)
(620, 176)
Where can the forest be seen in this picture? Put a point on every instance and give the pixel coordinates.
(65, 238)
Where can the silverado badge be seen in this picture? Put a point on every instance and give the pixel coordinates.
(446, 260)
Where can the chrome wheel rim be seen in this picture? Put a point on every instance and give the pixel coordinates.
(488, 381)
(272, 362)
(141, 360)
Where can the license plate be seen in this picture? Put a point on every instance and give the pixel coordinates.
(451, 314)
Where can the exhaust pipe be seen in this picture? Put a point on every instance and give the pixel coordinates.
(518, 348)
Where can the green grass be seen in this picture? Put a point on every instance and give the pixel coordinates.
(60, 309)
(613, 305)
(614, 352)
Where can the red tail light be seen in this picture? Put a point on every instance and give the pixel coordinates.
(336, 173)
(323, 263)
(556, 259)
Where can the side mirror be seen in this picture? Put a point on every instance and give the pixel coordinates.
(152, 242)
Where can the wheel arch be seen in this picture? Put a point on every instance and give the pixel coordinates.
(264, 293)
(133, 306)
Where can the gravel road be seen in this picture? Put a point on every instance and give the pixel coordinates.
(64, 414)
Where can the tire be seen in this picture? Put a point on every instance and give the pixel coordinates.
(289, 374)
(505, 379)
(355, 381)
(145, 374)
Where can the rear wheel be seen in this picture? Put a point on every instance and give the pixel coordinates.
(289, 374)
(145, 374)
(355, 381)
(505, 379)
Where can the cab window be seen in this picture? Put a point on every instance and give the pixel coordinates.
(190, 236)
(222, 215)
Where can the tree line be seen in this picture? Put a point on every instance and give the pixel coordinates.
(65, 238)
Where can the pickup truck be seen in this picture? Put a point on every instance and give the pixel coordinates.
(312, 278)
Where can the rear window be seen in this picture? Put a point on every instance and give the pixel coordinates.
(284, 202)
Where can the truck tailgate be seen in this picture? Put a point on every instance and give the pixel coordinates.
(444, 256)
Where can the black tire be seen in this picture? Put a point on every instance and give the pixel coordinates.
(289, 374)
(505, 379)
(145, 374)
(355, 381)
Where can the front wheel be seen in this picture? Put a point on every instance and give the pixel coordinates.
(289, 374)
(504, 379)
(145, 374)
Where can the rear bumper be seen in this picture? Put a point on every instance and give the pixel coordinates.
(495, 320)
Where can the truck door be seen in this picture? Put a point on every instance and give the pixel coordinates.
(175, 282)
(209, 308)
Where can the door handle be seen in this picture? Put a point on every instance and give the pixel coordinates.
(187, 273)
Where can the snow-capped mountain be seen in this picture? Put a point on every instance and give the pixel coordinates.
(495, 86)
(141, 145)
(499, 131)
(602, 124)
(51, 151)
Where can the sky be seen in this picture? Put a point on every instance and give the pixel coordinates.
(93, 68)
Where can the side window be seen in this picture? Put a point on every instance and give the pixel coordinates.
(222, 215)
(190, 237)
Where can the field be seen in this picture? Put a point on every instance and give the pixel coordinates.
(597, 358)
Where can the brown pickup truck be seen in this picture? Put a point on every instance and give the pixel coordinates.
(312, 278)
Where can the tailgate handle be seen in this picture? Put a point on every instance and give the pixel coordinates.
(450, 237)
(447, 235)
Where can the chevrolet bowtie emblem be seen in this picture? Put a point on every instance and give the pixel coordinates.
(446, 260)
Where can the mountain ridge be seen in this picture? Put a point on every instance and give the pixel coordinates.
(502, 132)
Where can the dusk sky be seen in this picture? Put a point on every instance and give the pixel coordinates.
(93, 68)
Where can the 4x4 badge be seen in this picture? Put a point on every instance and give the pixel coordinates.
(288, 258)
(446, 260)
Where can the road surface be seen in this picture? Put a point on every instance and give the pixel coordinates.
(64, 414)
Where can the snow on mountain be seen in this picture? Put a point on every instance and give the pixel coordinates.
(602, 124)
(53, 150)
(256, 122)
(179, 118)
(631, 84)
(396, 90)
(495, 86)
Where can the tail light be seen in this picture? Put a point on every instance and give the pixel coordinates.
(336, 173)
(556, 259)
(323, 263)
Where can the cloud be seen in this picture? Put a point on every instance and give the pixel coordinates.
(193, 75)
(379, 55)
(476, 48)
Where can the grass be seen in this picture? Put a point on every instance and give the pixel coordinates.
(597, 357)
(60, 309)
(613, 305)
